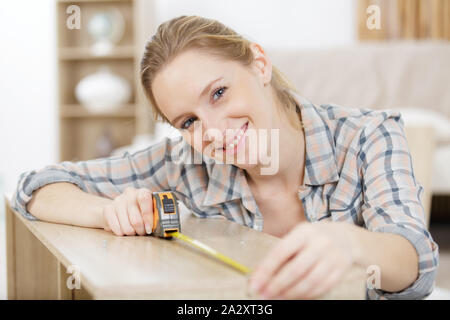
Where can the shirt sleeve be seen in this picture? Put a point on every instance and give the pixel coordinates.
(392, 202)
(157, 168)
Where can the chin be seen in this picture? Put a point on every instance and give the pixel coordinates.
(245, 166)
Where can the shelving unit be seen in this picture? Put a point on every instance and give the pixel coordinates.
(74, 54)
(80, 130)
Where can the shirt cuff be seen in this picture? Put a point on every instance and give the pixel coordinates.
(428, 253)
(32, 180)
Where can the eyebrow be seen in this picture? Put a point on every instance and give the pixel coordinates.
(205, 90)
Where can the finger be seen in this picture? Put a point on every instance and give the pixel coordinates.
(135, 217)
(304, 287)
(283, 251)
(144, 199)
(112, 221)
(124, 221)
(292, 272)
(330, 282)
(134, 213)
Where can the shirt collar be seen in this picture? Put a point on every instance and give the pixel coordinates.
(227, 182)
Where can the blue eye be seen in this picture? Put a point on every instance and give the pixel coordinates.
(216, 95)
(218, 92)
(186, 124)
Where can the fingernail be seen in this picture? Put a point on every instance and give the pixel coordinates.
(148, 229)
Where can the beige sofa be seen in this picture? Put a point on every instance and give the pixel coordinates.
(372, 75)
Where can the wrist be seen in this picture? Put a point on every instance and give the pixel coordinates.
(354, 235)
(92, 210)
(98, 207)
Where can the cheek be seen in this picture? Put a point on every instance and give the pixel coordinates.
(265, 116)
(197, 142)
(256, 107)
(188, 138)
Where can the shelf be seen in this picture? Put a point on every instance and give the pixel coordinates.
(76, 111)
(122, 52)
(90, 1)
(79, 129)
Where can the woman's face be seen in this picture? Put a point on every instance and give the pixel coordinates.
(219, 104)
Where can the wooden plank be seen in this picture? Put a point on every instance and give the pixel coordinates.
(80, 53)
(10, 251)
(64, 293)
(35, 267)
(145, 26)
(150, 268)
(81, 294)
(78, 111)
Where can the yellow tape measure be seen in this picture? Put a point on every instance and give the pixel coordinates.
(166, 224)
(211, 252)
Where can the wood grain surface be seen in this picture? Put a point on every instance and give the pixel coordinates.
(141, 267)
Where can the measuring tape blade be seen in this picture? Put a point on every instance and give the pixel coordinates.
(211, 252)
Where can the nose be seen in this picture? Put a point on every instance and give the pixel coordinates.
(213, 128)
(212, 133)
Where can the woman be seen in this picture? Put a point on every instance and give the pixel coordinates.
(342, 177)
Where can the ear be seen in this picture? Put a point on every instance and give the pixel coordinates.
(261, 64)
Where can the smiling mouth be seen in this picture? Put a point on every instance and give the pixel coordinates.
(232, 146)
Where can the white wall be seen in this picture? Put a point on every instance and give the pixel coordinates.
(27, 87)
(28, 132)
(275, 23)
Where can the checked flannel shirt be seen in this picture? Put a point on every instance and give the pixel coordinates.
(358, 170)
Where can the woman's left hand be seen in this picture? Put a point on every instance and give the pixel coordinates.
(308, 262)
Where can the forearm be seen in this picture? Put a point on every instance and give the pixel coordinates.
(65, 203)
(395, 256)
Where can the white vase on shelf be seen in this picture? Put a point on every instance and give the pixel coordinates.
(103, 91)
(106, 29)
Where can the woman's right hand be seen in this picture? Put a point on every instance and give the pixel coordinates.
(130, 213)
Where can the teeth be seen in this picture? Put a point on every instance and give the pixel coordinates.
(236, 139)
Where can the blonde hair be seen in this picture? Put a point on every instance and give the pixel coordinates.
(193, 32)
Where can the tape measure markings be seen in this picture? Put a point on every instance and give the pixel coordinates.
(212, 252)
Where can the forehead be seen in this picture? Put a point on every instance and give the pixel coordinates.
(182, 80)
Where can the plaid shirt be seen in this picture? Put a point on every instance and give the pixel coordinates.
(358, 170)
